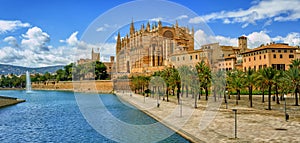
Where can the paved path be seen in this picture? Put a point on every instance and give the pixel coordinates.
(209, 123)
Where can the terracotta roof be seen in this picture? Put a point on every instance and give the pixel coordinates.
(271, 46)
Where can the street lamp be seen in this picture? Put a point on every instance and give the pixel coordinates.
(226, 102)
(235, 125)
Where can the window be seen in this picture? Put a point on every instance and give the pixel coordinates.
(280, 56)
(249, 59)
(285, 51)
(245, 69)
(196, 57)
(291, 51)
(244, 60)
(177, 58)
(279, 51)
(274, 56)
(264, 56)
(265, 66)
(260, 57)
(254, 68)
(291, 56)
(230, 64)
(273, 51)
(191, 57)
(254, 58)
(182, 58)
(260, 66)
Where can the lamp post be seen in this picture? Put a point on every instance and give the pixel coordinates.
(235, 125)
(226, 102)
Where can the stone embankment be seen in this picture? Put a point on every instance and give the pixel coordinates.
(99, 86)
(7, 101)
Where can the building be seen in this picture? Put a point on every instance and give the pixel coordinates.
(95, 56)
(152, 49)
(276, 55)
(149, 49)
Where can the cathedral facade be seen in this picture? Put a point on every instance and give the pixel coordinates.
(147, 50)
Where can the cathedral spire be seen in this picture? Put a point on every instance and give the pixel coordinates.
(132, 28)
(176, 24)
(118, 45)
(148, 26)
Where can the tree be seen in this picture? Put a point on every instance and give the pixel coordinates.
(204, 76)
(250, 82)
(268, 76)
(260, 83)
(100, 71)
(167, 76)
(236, 82)
(292, 75)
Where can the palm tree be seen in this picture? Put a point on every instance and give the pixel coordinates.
(204, 76)
(268, 76)
(184, 72)
(295, 63)
(219, 83)
(250, 82)
(261, 84)
(292, 75)
(166, 75)
(236, 82)
(176, 81)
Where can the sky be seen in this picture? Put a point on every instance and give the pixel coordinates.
(36, 33)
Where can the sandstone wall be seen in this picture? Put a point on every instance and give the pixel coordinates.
(99, 86)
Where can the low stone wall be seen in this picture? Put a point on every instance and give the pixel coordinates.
(97, 86)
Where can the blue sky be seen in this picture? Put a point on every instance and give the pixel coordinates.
(41, 33)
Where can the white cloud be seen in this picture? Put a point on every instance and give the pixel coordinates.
(100, 29)
(182, 17)
(255, 39)
(35, 39)
(6, 25)
(275, 10)
(11, 40)
(29, 52)
(156, 19)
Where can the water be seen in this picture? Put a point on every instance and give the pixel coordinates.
(54, 116)
(28, 82)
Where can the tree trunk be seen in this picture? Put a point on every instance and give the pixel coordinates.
(250, 95)
(263, 96)
(269, 98)
(182, 89)
(277, 97)
(173, 90)
(296, 97)
(195, 101)
(215, 96)
(187, 90)
(206, 93)
(237, 97)
(225, 100)
(199, 97)
(178, 93)
(167, 94)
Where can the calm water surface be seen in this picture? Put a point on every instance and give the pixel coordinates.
(54, 116)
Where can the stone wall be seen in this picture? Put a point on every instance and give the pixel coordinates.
(99, 86)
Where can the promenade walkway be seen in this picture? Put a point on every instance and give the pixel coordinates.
(212, 122)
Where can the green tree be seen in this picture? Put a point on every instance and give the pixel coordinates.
(268, 76)
(100, 71)
(236, 82)
(204, 76)
(292, 75)
(250, 83)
